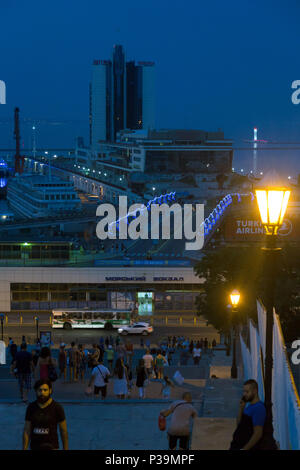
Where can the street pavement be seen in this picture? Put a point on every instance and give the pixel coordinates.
(131, 424)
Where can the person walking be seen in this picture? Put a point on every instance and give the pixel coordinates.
(94, 357)
(99, 378)
(86, 359)
(13, 351)
(191, 347)
(197, 354)
(45, 360)
(110, 353)
(41, 420)
(160, 362)
(23, 367)
(141, 378)
(62, 362)
(121, 352)
(251, 419)
(166, 387)
(130, 380)
(149, 363)
(73, 362)
(81, 363)
(179, 429)
(129, 353)
(170, 356)
(35, 358)
(121, 380)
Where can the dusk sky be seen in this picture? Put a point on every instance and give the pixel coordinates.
(227, 65)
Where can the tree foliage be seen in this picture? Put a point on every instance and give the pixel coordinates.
(243, 268)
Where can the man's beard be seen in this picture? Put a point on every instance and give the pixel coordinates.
(250, 398)
(43, 399)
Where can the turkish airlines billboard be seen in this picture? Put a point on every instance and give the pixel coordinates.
(250, 229)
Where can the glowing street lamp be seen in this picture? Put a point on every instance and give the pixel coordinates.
(272, 203)
(272, 199)
(234, 299)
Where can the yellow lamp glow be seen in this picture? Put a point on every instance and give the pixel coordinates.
(235, 298)
(272, 203)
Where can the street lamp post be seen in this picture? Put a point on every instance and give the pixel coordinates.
(234, 299)
(272, 203)
(2, 320)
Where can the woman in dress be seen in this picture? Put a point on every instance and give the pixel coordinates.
(121, 380)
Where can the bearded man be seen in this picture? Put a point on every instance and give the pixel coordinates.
(42, 418)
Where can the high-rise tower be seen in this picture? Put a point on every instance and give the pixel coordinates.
(140, 95)
(119, 90)
(100, 102)
(122, 96)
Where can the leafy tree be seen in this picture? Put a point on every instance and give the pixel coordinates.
(243, 268)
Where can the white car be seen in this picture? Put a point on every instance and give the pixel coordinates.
(136, 328)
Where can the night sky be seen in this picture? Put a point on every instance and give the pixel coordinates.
(227, 65)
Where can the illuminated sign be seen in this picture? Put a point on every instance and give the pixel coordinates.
(251, 229)
(125, 278)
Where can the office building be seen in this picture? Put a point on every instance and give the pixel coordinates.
(122, 96)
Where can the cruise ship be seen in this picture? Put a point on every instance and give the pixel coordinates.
(34, 196)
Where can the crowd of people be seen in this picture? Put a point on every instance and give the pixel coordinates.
(78, 363)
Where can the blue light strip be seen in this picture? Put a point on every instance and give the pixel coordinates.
(217, 213)
(157, 200)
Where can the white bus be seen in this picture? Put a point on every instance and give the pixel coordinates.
(104, 318)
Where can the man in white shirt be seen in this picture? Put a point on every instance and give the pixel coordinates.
(148, 361)
(99, 378)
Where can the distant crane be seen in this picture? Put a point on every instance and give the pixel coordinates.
(19, 159)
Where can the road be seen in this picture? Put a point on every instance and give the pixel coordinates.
(91, 336)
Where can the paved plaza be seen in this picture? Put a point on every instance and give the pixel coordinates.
(132, 424)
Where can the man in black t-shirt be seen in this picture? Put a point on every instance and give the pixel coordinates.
(41, 420)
